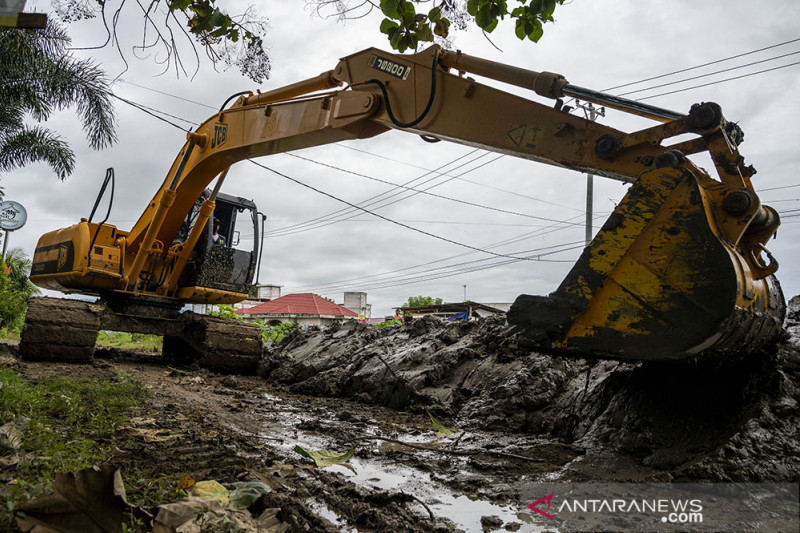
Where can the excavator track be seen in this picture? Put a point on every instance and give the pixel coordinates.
(66, 330)
(219, 344)
(60, 330)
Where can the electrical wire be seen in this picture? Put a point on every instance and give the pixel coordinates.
(387, 219)
(779, 188)
(720, 81)
(703, 65)
(454, 270)
(684, 80)
(425, 191)
(460, 178)
(143, 108)
(372, 200)
(168, 94)
(140, 107)
(512, 240)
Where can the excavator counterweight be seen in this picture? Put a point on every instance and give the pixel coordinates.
(680, 268)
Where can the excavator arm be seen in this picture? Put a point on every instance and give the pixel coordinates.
(676, 270)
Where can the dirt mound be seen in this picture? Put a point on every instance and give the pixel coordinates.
(718, 419)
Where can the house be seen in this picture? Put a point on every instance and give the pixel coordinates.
(448, 310)
(264, 293)
(305, 309)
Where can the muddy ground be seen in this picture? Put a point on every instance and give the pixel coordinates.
(520, 417)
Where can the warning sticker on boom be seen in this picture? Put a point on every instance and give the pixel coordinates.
(389, 67)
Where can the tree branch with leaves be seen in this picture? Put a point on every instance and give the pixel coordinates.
(406, 23)
(168, 26)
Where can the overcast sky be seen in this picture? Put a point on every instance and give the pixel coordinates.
(596, 44)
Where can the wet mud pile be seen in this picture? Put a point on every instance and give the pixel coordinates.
(717, 419)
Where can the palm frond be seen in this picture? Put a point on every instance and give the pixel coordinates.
(32, 144)
(38, 74)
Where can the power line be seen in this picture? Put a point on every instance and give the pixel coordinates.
(462, 269)
(720, 81)
(703, 65)
(779, 188)
(412, 228)
(143, 108)
(525, 236)
(425, 191)
(422, 221)
(461, 178)
(519, 238)
(709, 74)
(336, 216)
(169, 94)
(510, 257)
(149, 109)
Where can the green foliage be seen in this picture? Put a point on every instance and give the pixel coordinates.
(11, 335)
(39, 75)
(273, 333)
(68, 422)
(226, 311)
(15, 289)
(231, 39)
(130, 341)
(389, 323)
(419, 301)
(406, 28)
(268, 333)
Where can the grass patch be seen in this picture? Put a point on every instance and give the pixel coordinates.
(71, 423)
(9, 335)
(129, 341)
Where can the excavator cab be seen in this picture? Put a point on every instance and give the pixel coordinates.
(222, 260)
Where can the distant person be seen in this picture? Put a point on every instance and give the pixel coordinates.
(216, 238)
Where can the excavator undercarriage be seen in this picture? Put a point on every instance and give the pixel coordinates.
(59, 329)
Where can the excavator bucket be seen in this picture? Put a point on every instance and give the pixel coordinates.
(659, 281)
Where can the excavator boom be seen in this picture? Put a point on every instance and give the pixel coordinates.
(681, 266)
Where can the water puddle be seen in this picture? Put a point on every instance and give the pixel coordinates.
(283, 421)
(463, 511)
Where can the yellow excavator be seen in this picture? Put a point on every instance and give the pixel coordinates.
(680, 267)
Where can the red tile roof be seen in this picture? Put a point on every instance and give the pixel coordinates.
(298, 304)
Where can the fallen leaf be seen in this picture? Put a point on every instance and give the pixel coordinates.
(439, 428)
(210, 490)
(186, 482)
(324, 458)
(91, 500)
(11, 433)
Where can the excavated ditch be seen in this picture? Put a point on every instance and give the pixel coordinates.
(715, 419)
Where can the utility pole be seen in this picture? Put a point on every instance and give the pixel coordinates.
(591, 113)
